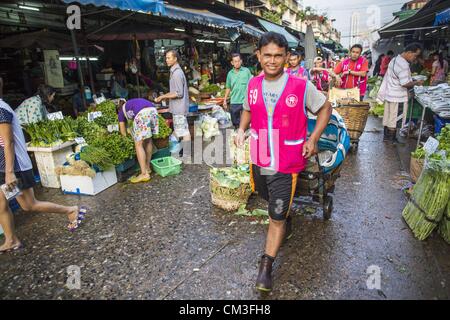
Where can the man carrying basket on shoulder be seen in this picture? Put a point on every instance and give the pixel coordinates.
(352, 72)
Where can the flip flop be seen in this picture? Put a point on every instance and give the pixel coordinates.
(138, 180)
(15, 248)
(73, 225)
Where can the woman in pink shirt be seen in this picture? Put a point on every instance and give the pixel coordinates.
(439, 70)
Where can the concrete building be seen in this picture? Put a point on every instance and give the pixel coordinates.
(354, 28)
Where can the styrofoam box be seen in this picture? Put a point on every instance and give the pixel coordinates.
(82, 185)
(48, 159)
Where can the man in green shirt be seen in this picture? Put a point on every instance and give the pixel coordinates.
(237, 81)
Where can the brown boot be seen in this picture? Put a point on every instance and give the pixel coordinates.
(264, 280)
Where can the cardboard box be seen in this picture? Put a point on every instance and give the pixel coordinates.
(83, 185)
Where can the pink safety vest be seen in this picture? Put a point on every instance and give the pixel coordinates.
(300, 72)
(358, 82)
(319, 77)
(278, 136)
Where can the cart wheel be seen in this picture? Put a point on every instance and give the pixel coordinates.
(354, 147)
(327, 208)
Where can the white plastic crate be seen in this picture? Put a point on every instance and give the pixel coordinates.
(83, 185)
(48, 159)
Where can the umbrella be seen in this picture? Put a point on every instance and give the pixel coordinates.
(310, 47)
(43, 39)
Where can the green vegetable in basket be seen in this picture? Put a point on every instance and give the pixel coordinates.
(419, 153)
(164, 129)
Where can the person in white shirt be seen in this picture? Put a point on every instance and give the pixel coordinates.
(394, 89)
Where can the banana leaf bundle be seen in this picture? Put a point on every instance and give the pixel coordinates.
(444, 227)
(429, 199)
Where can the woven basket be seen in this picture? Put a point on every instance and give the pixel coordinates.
(220, 197)
(161, 143)
(355, 117)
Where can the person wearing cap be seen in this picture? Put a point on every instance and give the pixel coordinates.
(319, 75)
(144, 117)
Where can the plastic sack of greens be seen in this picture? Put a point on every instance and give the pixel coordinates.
(210, 127)
(430, 196)
(223, 117)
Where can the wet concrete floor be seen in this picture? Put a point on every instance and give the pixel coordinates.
(162, 240)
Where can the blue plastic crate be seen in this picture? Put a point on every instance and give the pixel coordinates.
(439, 123)
(126, 165)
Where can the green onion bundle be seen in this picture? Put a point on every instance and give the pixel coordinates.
(444, 227)
(428, 201)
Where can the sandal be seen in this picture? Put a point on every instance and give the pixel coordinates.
(136, 179)
(76, 223)
(14, 248)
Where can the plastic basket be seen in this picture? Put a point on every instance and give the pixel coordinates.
(167, 166)
(161, 153)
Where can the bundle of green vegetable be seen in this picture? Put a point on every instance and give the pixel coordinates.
(211, 88)
(96, 156)
(50, 133)
(231, 177)
(418, 154)
(109, 114)
(444, 227)
(377, 110)
(118, 147)
(429, 198)
(164, 129)
(230, 187)
(90, 131)
(444, 140)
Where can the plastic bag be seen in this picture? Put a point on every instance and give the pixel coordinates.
(223, 117)
(210, 127)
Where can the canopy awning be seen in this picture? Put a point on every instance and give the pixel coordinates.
(269, 26)
(422, 20)
(147, 6)
(130, 30)
(251, 30)
(442, 17)
(202, 17)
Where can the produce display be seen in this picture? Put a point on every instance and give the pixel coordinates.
(96, 156)
(164, 129)
(444, 140)
(109, 113)
(431, 194)
(50, 133)
(419, 153)
(118, 147)
(90, 131)
(211, 88)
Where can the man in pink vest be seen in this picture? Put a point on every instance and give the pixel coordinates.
(352, 72)
(275, 108)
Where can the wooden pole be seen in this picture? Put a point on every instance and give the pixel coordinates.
(80, 72)
(91, 76)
